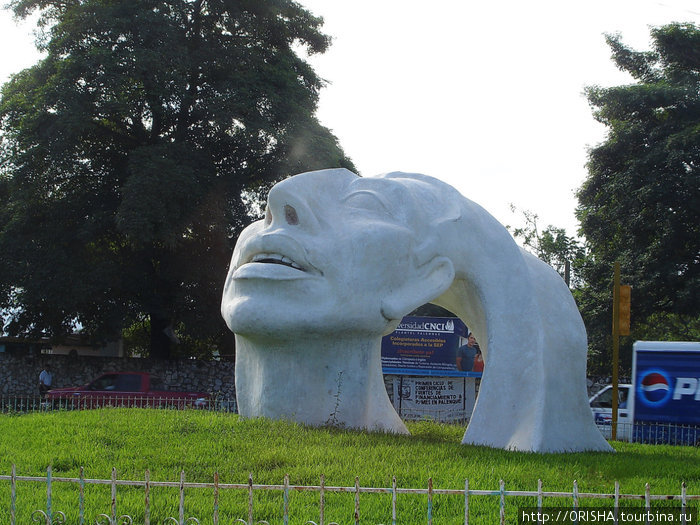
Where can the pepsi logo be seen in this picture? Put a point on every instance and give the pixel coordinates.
(655, 388)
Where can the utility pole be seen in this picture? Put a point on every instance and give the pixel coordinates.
(620, 326)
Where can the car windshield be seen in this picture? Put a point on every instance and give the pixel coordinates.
(118, 383)
(604, 400)
(128, 383)
(105, 382)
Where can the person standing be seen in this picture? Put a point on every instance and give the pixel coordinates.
(478, 361)
(45, 380)
(466, 353)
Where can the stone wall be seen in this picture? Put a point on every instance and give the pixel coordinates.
(19, 373)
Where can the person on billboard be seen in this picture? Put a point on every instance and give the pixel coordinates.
(467, 353)
(478, 361)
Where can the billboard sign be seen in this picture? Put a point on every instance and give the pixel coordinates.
(438, 398)
(667, 386)
(424, 346)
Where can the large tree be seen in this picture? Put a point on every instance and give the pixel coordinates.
(640, 203)
(552, 245)
(134, 152)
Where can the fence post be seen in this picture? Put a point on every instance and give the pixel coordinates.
(357, 500)
(285, 518)
(647, 501)
(48, 495)
(13, 493)
(250, 498)
(430, 501)
(393, 500)
(182, 497)
(503, 502)
(216, 498)
(617, 501)
(466, 501)
(539, 495)
(147, 498)
(81, 510)
(683, 503)
(322, 503)
(114, 495)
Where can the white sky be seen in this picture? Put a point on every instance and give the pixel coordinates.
(485, 95)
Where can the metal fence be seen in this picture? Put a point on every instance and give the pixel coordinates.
(649, 433)
(53, 516)
(25, 404)
(653, 433)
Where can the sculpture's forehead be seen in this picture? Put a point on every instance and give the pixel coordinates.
(339, 183)
(414, 200)
(331, 179)
(391, 189)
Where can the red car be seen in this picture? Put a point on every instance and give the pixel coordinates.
(132, 389)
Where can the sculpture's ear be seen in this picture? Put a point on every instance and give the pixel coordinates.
(432, 279)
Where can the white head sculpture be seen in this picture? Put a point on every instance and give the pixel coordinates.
(339, 260)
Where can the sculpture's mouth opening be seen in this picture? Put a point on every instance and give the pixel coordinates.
(276, 258)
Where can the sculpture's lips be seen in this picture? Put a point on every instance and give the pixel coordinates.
(276, 257)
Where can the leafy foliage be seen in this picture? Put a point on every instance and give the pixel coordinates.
(640, 203)
(134, 152)
(552, 245)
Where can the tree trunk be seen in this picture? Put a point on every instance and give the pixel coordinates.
(160, 342)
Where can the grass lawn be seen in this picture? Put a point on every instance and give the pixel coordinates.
(202, 443)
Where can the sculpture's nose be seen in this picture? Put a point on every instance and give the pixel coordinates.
(286, 213)
(290, 215)
(285, 208)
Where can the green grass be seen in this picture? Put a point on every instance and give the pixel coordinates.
(202, 443)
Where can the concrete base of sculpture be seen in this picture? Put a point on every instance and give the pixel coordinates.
(315, 381)
(336, 264)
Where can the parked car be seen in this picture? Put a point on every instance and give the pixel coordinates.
(132, 389)
(601, 406)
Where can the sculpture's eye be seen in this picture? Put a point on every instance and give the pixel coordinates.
(365, 200)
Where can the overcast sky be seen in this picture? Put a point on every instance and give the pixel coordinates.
(485, 95)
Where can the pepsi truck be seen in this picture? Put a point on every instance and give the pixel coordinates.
(662, 405)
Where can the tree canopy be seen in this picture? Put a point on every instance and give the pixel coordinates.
(640, 203)
(135, 151)
(552, 245)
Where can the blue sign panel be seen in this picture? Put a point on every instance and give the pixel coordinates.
(667, 387)
(424, 346)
